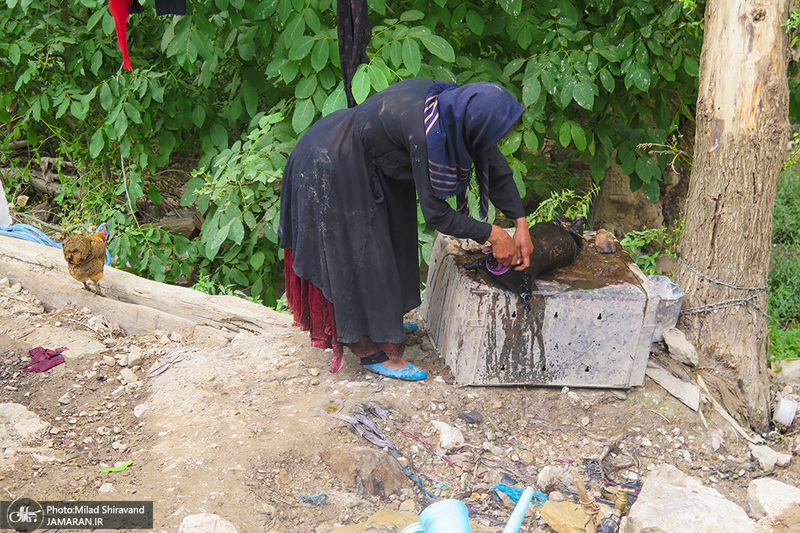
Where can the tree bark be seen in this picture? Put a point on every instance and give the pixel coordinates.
(740, 146)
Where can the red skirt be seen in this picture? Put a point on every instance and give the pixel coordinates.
(312, 311)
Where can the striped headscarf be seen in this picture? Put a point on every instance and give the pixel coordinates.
(461, 124)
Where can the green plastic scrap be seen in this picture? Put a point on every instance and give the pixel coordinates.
(119, 468)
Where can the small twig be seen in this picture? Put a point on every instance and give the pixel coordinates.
(702, 417)
(662, 415)
(84, 325)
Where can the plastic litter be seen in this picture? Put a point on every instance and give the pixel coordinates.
(317, 499)
(786, 411)
(5, 216)
(518, 515)
(120, 468)
(515, 493)
(445, 516)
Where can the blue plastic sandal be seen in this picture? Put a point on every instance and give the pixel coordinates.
(407, 373)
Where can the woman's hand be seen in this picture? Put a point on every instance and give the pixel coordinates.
(523, 243)
(514, 251)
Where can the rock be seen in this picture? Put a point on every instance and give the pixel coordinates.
(18, 425)
(604, 241)
(206, 523)
(449, 436)
(136, 356)
(669, 498)
(370, 472)
(681, 349)
(686, 391)
(778, 502)
(209, 336)
(768, 458)
(128, 376)
(552, 478)
(106, 488)
(408, 505)
(471, 417)
(108, 360)
(65, 399)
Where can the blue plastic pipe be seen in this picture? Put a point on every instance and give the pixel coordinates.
(515, 522)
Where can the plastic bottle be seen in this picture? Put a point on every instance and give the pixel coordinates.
(445, 516)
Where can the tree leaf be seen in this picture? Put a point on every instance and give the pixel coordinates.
(690, 66)
(216, 239)
(411, 55)
(304, 113)
(306, 87)
(246, 44)
(437, 46)
(475, 22)
(640, 75)
(578, 135)
(106, 100)
(257, 259)
(199, 116)
(531, 140)
(377, 78)
(512, 7)
(301, 47)
(319, 55)
(565, 133)
(336, 101)
(607, 80)
(154, 194)
(584, 95)
(97, 144)
(219, 135)
(412, 15)
(647, 169)
(360, 84)
(531, 91)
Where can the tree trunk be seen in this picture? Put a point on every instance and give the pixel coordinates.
(740, 146)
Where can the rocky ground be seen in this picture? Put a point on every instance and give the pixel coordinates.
(258, 432)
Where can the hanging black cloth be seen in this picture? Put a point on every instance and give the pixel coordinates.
(354, 30)
(170, 7)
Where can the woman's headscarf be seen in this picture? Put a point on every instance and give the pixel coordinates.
(461, 124)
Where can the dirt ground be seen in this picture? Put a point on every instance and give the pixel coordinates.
(246, 430)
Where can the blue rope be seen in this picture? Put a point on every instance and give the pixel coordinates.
(317, 499)
(30, 233)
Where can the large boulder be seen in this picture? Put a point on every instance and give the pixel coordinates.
(672, 501)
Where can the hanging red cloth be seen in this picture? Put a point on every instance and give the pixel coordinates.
(119, 10)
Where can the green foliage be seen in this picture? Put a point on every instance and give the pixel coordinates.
(150, 251)
(239, 198)
(784, 274)
(783, 344)
(567, 203)
(647, 245)
(598, 79)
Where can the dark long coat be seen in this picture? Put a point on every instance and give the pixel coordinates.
(349, 215)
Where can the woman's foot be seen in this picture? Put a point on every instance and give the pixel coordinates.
(407, 373)
(392, 368)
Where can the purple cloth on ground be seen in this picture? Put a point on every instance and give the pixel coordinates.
(43, 359)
